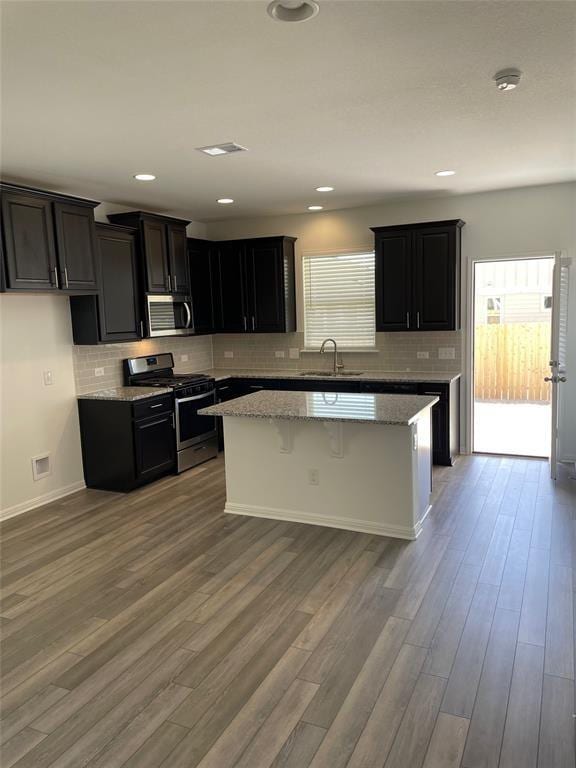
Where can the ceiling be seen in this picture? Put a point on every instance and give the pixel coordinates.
(369, 97)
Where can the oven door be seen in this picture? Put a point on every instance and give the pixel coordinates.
(168, 315)
(190, 427)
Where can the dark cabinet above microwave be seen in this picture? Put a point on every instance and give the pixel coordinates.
(49, 241)
(163, 249)
(418, 276)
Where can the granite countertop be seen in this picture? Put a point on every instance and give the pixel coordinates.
(326, 406)
(127, 394)
(430, 377)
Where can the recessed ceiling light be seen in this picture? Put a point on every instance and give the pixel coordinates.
(225, 200)
(324, 189)
(445, 173)
(227, 148)
(507, 79)
(315, 207)
(144, 176)
(293, 10)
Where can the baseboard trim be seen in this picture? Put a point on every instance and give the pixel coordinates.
(328, 521)
(46, 498)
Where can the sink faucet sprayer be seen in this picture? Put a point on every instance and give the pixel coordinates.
(337, 365)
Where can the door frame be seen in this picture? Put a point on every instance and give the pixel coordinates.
(467, 395)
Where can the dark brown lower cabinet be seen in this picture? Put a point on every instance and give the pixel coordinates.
(123, 446)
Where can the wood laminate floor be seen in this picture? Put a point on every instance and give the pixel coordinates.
(153, 631)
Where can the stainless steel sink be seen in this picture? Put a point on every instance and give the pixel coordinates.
(331, 373)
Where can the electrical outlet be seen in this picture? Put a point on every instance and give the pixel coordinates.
(184, 358)
(446, 353)
(48, 378)
(313, 477)
(98, 371)
(279, 353)
(422, 355)
(229, 353)
(294, 353)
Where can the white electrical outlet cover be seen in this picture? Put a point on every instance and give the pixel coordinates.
(294, 353)
(98, 371)
(279, 353)
(184, 358)
(446, 353)
(228, 354)
(48, 378)
(422, 355)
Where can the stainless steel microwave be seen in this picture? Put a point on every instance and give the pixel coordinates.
(168, 315)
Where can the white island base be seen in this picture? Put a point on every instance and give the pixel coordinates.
(369, 477)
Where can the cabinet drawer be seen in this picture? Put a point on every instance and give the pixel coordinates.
(153, 406)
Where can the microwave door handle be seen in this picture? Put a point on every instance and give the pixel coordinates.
(188, 315)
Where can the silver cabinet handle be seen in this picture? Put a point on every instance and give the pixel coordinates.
(158, 405)
(173, 421)
(407, 319)
(417, 319)
(245, 324)
(169, 283)
(66, 276)
(253, 323)
(56, 277)
(142, 329)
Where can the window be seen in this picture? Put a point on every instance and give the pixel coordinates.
(339, 299)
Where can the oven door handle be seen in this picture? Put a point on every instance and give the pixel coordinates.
(195, 397)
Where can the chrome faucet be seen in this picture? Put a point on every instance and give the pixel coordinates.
(337, 365)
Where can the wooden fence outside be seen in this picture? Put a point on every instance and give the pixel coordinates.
(511, 361)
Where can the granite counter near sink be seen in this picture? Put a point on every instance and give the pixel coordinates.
(428, 377)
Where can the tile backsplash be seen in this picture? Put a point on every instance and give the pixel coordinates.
(108, 357)
(395, 352)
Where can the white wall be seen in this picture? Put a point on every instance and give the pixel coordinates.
(36, 336)
(510, 222)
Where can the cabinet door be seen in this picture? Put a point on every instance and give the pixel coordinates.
(264, 280)
(231, 288)
(29, 243)
(154, 446)
(118, 300)
(435, 279)
(179, 280)
(393, 281)
(76, 243)
(156, 255)
(200, 261)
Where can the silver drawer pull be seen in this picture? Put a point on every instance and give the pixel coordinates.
(158, 405)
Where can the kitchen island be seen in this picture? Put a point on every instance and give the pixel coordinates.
(356, 461)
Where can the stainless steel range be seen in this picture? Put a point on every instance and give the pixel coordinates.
(196, 436)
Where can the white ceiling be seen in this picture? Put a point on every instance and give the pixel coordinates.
(369, 97)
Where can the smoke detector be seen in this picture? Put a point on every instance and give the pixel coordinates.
(507, 79)
(293, 10)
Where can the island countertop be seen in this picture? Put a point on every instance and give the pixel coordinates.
(326, 406)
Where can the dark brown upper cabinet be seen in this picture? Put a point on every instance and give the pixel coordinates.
(255, 285)
(49, 241)
(114, 314)
(202, 265)
(163, 247)
(418, 276)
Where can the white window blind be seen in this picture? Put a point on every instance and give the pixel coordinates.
(339, 299)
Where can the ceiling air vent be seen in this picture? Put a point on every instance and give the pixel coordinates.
(222, 149)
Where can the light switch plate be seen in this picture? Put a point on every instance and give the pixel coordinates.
(48, 378)
(446, 353)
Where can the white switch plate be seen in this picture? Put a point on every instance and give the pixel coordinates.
(228, 354)
(313, 477)
(184, 358)
(446, 353)
(48, 378)
(98, 371)
(294, 353)
(422, 355)
(279, 353)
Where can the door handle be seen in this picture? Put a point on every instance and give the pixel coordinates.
(555, 379)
